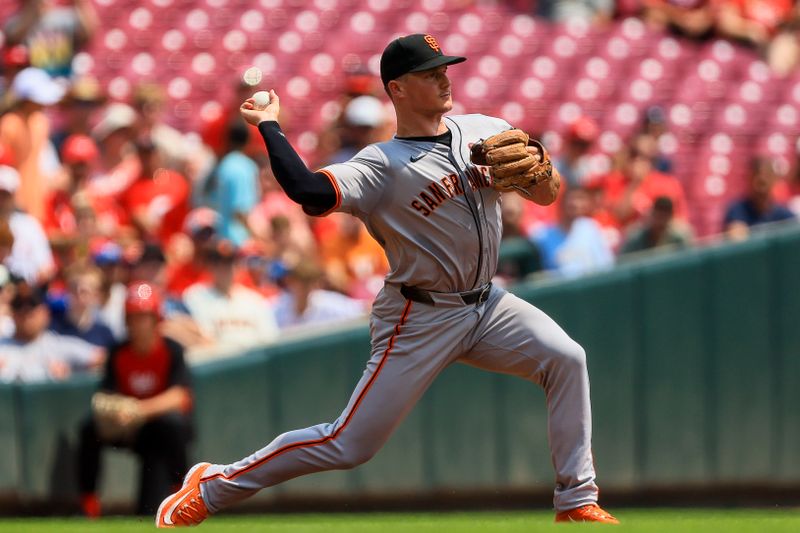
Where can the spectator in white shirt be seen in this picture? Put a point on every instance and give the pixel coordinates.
(31, 258)
(303, 303)
(228, 313)
(35, 354)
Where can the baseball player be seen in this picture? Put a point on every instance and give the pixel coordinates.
(431, 197)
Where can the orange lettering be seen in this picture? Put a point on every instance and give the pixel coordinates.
(431, 40)
(456, 183)
(448, 186)
(428, 200)
(421, 208)
(437, 192)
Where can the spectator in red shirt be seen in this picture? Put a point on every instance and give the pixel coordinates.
(79, 153)
(769, 25)
(200, 225)
(150, 369)
(631, 190)
(158, 201)
(573, 164)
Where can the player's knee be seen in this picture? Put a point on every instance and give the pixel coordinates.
(574, 357)
(358, 456)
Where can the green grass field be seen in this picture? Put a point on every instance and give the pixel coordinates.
(639, 520)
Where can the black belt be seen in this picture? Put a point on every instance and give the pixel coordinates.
(477, 296)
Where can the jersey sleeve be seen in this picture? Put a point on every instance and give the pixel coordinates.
(359, 182)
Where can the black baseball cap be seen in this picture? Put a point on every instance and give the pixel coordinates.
(413, 53)
(28, 296)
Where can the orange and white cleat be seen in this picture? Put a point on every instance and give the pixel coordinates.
(186, 507)
(586, 513)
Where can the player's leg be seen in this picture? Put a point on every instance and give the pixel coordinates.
(514, 337)
(89, 451)
(161, 445)
(407, 354)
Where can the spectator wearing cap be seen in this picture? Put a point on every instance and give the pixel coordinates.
(26, 131)
(758, 206)
(229, 314)
(35, 354)
(77, 209)
(303, 302)
(148, 101)
(215, 130)
(79, 154)
(232, 188)
(79, 315)
(107, 256)
(31, 257)
(15, 58)
(78, 109)
(158, 200)
(658, 230)
(361, 124)
(200, 226)
(573, 163)
(150, 370)
(119, 164)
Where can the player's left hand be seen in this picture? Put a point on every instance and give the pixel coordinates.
(534, 151)
(517, 162)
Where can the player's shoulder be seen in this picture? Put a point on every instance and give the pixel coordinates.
(485, 124)
(382, 155)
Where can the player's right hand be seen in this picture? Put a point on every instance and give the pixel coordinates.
(256, 116)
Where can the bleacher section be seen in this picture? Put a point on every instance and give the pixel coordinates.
(721, 100)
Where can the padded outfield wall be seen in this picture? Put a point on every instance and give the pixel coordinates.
(694, 360)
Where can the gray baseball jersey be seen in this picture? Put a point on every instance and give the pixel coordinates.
(438, 219)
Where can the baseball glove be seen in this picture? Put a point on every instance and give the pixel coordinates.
(117, 417)
(512, 166)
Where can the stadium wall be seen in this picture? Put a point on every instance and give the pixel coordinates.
(695, 376)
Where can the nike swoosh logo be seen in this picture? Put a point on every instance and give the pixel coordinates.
(415, 158)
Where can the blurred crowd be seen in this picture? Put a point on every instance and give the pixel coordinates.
(770, 26)
(97, 194)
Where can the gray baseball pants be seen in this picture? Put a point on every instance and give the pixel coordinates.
(411, 344)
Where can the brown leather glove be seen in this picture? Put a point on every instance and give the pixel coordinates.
(512, 165)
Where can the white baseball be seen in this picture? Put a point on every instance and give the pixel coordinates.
(252, 76)
(261, 99)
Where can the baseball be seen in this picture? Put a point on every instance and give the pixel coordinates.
(252, 76)
(261, 99)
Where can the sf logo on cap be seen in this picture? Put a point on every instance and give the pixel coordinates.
(431, 40)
